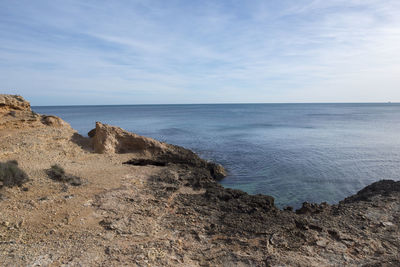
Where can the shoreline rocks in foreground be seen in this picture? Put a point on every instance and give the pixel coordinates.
(148, 203)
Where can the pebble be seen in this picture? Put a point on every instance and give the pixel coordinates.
(322, 243)
(386, 224)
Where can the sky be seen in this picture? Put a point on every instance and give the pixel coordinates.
(73, 52)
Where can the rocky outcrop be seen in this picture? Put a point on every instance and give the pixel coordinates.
(110, 139)
(383, 187)
(13, 102)
(16, 113)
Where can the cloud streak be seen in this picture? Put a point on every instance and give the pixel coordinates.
(122, 52)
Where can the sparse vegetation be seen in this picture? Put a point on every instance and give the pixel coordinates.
(11, 175)
(57, 173)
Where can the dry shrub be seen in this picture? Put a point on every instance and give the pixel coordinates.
(57, 173)
(11, 175)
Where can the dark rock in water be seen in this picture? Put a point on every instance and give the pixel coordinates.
(383, 187)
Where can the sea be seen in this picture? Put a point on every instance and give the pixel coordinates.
(293, 152)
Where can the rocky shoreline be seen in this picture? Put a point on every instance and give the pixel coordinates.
(148, 203)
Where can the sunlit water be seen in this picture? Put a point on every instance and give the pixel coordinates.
(294, 152)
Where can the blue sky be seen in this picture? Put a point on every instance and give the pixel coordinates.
(137, 52)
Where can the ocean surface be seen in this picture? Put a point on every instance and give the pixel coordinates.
(294, 152)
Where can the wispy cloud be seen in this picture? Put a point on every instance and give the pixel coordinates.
(92, 52)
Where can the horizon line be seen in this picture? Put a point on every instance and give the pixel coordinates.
(233, 103)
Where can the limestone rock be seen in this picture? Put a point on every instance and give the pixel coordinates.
(13, 102)
(16, 113)
(217, 171)
(109, 139)
(53, 121)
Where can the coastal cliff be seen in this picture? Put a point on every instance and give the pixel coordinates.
(141, 202)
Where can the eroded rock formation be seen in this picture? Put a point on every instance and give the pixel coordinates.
(15, 112)
(110, 139)
(13, 102)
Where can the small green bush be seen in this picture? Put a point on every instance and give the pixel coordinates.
(11, 175)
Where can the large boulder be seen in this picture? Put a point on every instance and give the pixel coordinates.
(110, 139)
(13, 103)
(53, 121)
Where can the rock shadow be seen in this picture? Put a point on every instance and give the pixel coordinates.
(84, 142)
(145, 162)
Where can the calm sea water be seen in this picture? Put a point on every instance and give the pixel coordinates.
(294, 152)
